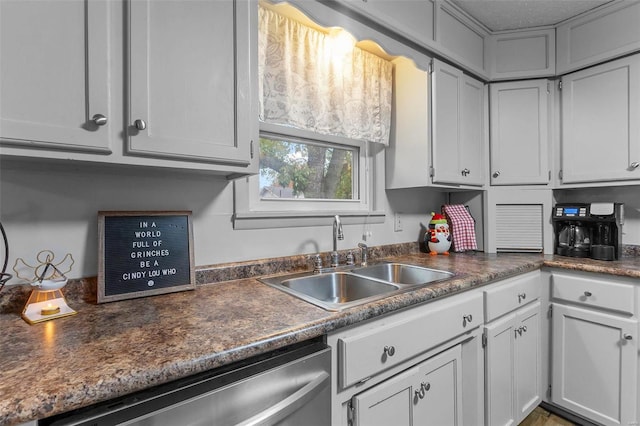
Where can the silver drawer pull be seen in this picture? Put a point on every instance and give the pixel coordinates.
(635, 165)
(588, 294)
(424, 388)
(627, 336)
(390, 350)
(466, 319)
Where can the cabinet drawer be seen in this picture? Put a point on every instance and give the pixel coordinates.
(365, 354)
(598, 292)
(510, 294)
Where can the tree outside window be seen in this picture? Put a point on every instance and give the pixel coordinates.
(305, 170)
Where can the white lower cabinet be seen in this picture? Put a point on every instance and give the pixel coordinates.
(485, 356)
(513, 366)
(432, 391)
(418, 366)
(594, 358)
(513, 374)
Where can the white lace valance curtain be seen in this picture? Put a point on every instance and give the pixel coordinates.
(304, 84)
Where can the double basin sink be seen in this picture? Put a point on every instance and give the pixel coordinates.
(351, 286)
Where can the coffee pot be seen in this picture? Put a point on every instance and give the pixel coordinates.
(574, 240)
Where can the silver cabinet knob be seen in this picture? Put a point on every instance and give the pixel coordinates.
(465, 172)
(588, 294)
(496, 173)
(390, 350)
(635, 165)
(521, 297)
(627, 336)
(140, 124)
(99, 119)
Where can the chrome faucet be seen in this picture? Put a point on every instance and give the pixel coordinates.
(337, 235)
(365, 252)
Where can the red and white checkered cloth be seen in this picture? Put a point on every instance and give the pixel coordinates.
(463, 233)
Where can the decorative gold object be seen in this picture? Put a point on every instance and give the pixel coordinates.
(46, 301)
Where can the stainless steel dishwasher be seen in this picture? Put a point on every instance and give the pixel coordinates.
(288, 387)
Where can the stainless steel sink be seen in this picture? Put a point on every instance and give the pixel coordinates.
(348, 287)
(400, 273)
(338, 288)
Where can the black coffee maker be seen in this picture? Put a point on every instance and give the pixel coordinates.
(588, 230)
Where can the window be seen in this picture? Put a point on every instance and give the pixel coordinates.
(297, 169)
(325, 116)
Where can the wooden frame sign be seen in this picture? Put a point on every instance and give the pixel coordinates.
(144, 254)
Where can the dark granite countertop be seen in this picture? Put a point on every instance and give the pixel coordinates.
(113, 349)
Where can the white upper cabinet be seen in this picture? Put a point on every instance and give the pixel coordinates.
(55, 75)
(185, 101)
(190, 80)
(458, 127)
(459, 38)
(596, 37)
(522, 54)
(472, 133)
(434, 24)
(520, 132)
(600, 127)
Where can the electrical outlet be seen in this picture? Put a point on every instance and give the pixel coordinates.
(397, 223)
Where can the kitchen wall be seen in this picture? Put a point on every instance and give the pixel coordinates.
(54, 206)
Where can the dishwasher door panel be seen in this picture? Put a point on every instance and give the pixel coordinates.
(290, 389)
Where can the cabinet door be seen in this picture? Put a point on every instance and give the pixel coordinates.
(499, 365)
(388, 403)
(54, 75)
(447, 115)
(428, 394)
(513, 366)
(520, 133)
(458, 127)
(594, 364)
(189, 79)
(437, 396)
(528, 362)
(472, 131)
(600, 129)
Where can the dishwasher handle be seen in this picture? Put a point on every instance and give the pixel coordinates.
(290, 404)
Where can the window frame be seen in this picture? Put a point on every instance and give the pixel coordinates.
(251, 211)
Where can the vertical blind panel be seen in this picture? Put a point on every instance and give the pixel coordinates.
(519, 227)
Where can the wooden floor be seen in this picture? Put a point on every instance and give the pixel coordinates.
(541, 417)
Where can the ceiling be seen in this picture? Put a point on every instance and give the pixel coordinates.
(500, 15)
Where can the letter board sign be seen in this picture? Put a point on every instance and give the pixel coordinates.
(144, 253)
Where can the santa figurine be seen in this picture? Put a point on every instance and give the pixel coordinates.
(438, 237)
